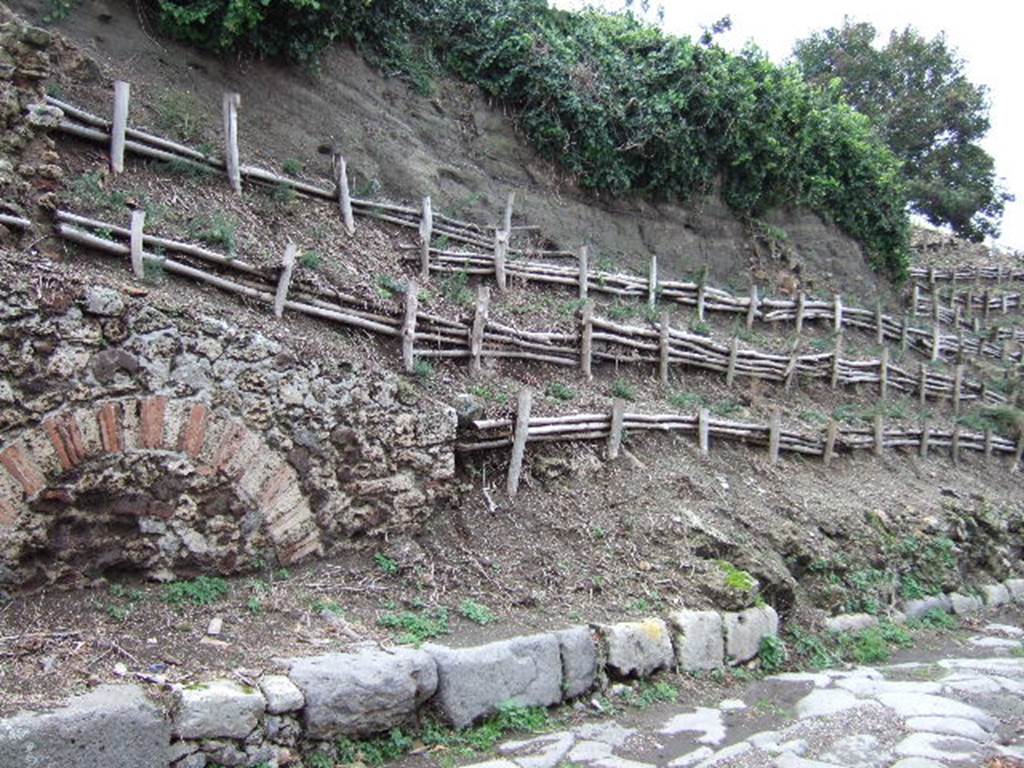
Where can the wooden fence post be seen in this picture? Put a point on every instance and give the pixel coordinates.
(138, 222)
(988, 443)
(936, 342)
(522, 432)
(586, 337)
(701, 288)
(584, 271)
(500, 252)
(752, 306)
(231, 103)
(615, 433)
(652, 283)
(922, 384)
(409, 327)
(879, 434)
(830, 441)
(925, 434)
(837, 313)
(703, 431)
(426, 231)
(836, 357)
(915, 297)
(958, 381)
(730, 372)
(955, 447)
(904, 335)
(774, 426)
(509, 204)
(664, 339)
(344, 199)
(883, 374)
(985, 310)
(790, 373)
(476, 339)
(1015, 466)
(284, 280)
(119, 125)
(801, 301)
(879, 327)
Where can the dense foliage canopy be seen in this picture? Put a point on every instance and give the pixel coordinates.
(932, 117)
(621, 105)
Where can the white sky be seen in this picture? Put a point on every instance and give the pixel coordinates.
(987, 38)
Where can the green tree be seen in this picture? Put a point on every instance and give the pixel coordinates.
(916, 93)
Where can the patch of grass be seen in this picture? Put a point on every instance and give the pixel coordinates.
(623, 311)
(254, 606)
(88, 189)
(386, 564)
(875, 644)
(292, 166)
(772, 654)
(736, 578)
(153, 272)
(700, 328)
(310, 260)
(415, 628)
(373, 752)
(686, 401)
(648, 693)
(179, 114)
(422, 369)
(202, 590)
(388, 287)
(187, 168)
(484, 392)
(560, 391)
(726, 408)
(60, 10)
(455, 288)
(622, 388)
(936, 618)
(326, 605)
(811, 650)
(281, 193)
(570, 308)
(217, 229)
(477, 612)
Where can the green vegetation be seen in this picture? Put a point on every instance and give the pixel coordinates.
(386, 564)
(179, 114)
(423, 370)
(292, 166)
(624, 107)
(647, 693)
(772, 654)
(477, 612)
(417, 627)
(88, 190)
(455, 288)
(736, 578)
(202, 590)
(622, 388)
(310, 260)
(217, 229)
(560, 391)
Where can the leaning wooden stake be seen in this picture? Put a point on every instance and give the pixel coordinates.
(955, 447)
(509, 205)
(1015, 466)
(837, 313)
(409, 327)
(522, 431)
(584, 271)
(701, 290)
(119, 125)
(231, 163)
(500, 254)
(958, 382)
(936, 341)
(615, 434)
(284, 280)
(344, 199)
(663, 350)
(752, 306)
(586, 337)
(879, 327)
(789, 376)
(915, 298)
(774, 426)
(836, 357)
(988, 442)
(879, 434)
(730, 371)
(138, 222)
(801, 301)
(703, 431)
(426, 231)
(922, 384)
(883, 374)
(925, 434)
(830, 441)
(652, 283)
(476, 338)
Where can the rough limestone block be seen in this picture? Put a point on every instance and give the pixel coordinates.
(965, 605)
(217, 709)
(744, 630)
(362, 693)
(698, 639)
(114, 726)
(579, 661)
(915, 609)
(1016, 589)
(282, 694)
(474, 682)
(637, 648)
(850, 622)
(995, 595)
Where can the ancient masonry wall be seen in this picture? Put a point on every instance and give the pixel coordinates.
(135, 440)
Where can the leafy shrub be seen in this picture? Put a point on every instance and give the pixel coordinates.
(560, 391)
(202, 590)
(622, 388)
(477, 612)
(417, 627)
(772, 654)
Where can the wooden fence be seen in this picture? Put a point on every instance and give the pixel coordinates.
(524, 428)
(427, 335)
(969, 309)
(437, 228)
(965, 274)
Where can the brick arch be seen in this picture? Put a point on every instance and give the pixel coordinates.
(39, 457)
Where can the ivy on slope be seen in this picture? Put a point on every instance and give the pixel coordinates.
(622, 106)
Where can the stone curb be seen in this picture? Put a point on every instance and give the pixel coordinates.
(371, 690)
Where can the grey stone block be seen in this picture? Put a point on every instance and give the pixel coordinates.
(282, 694)
(698, 639)
(744, 630)
(995, 595)
(217, 709)
(637, 648)
(1016, 589)
(965, 605)
(474, 682)
(579, 661)
(915, 609)
(362, 693)
(850, 622)
(114, 726)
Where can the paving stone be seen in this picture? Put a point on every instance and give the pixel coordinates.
(789, 760)
(994, 643)
(863, 686)
(699, 642)
(579, 661)
(608, 733)
(589, 751)
(217, 709)
(951, 726)
(1003, 629)
(692, 758)
(862, 750)
(362, 693)
(965, 605)
(474, 682)
(744, 630)
(704, 720)
(996, 595)
(544, 752)
(493, 764)
(909, 705)
(933, 746)
(113, 726)
(637, 648)
(732, 705)
(727, 754)
(917, 762)
(850, 622)
(915, 609)
(282, 694)
(614, 761)
(969, 683)
(819, 679)
(826, 702)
